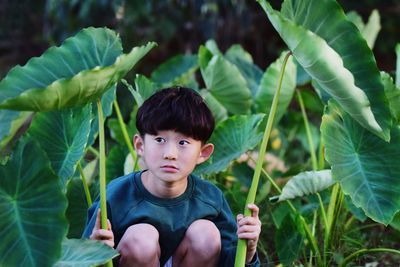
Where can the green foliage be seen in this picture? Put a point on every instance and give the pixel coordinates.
(366, 166)
(32, 207)
(347, 70)
(63, 135)
(234, 137)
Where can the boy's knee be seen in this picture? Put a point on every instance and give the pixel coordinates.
(139, 243)
(204, 238)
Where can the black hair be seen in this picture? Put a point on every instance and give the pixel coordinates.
(176, 108)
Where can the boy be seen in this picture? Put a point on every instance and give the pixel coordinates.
(164, 215)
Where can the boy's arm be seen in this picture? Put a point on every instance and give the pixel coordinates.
(249, 228)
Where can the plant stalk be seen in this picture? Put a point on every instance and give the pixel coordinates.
(360, 252)
(308, 232)
(242, 244)
(85, 186)
(102, 161)
(125, 134)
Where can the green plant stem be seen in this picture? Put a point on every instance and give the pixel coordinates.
(242, 244)
(94, 151)
(360, 252)
(321, 156)
(85, 186)
(125, 134)
(308, 131)
(102, 160)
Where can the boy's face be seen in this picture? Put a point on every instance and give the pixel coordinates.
(171, 156)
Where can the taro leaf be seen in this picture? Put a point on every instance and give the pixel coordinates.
(269, 83)
(225, 82)
(331, 49)
(76, 73)
(244, 62)
(32, 208)
(63, 135)
(289, 240)
(144, 89)
(175, 69)
(84, 253)
(10, 122)
(367, 168)
(232, 138)
(393, 95)
(306, 183)
(77, 208)
(218, 110)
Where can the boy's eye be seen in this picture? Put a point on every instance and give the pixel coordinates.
(183, 142)
(159, 140)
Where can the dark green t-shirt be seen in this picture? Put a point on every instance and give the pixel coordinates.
(128, 203)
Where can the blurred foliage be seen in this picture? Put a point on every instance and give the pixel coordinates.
(28, 27)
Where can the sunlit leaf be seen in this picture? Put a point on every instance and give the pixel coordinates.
(332, 51)
(367, 167)
(32, 208)
(218, 110)
(306, 183)
(84, 253)
(79, 71)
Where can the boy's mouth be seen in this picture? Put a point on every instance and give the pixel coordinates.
(169, 168)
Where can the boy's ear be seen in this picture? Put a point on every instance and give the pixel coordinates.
(205, 152)
(138, 142)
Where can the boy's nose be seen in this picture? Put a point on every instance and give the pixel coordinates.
(170, 152)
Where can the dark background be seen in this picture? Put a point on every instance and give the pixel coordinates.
(29, 27)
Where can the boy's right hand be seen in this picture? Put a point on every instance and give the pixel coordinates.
(105, 236)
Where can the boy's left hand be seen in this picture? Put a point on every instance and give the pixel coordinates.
(249, 228)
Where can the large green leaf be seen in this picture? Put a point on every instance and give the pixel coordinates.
(76, 73)
(331, 49)
(63, 135)
(232, 138)
(84, 253)
(32, 208)
(269, 83)
(367, 167)
(225, 82)
(306, 183)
